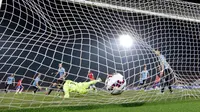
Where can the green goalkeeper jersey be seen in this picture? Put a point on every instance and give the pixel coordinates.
(81, 87)
(72, 86)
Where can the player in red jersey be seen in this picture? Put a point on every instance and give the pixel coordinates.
(19, 87)
(157, 80)
(91, 77)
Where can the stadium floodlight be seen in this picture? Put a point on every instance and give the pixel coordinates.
(126, 41)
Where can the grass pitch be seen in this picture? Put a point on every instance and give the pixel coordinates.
(129, 101)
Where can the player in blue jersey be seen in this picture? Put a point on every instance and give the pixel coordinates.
(9, 82)
(60, 80)
(35, 84)
(144, 76)
(61, 72)
(167, 72)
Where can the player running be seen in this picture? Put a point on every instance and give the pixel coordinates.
(60, 81)
(19, 87)
(143, 78)
(165, 79)
(35, 84)
(9, 81)
(81, 87)
(91, 77)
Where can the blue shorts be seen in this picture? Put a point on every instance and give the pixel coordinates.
(19, 87)
(157, 83)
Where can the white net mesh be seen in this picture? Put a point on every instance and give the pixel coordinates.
(37, 35)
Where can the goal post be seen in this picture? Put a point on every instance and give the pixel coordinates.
(133, 7)
(102, 37)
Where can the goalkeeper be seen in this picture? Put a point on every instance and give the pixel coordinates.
(81, 87)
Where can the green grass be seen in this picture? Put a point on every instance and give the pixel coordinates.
(129, 101)
(190, 106)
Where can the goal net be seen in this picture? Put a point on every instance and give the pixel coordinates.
(83, 35)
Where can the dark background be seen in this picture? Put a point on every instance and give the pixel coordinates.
(192, 1)
(37, 35)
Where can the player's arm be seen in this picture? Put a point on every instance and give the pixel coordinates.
(14, 82)
(106, 81)
(162, 69)
(162, 66)
(37, 84)
(140, 75)
(64, 75)
(161, 63)
(6, 80)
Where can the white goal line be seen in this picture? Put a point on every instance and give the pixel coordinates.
(105, 5)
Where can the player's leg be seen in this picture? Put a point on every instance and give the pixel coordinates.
(158, 84)
(60, 88)
(60, 85)
(170, 88)
(164, 80)
(21, 89)
(17, 89)
(35, 89)
(53, 86)
(162, 84)
(145, 85)
(155, 85)
(141, 84)
(6, 87)
(93, 87)
(169, 78)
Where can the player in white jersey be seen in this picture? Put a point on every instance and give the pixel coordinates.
(167, 73)
(9, 82)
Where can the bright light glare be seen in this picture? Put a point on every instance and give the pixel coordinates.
(126, 41)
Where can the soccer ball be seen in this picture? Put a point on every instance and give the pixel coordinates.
(115, 84)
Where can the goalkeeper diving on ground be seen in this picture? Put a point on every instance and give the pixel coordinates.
(79, 87)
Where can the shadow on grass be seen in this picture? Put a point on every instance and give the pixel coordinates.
(78, 108)
(91, 107)
(136, 104)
